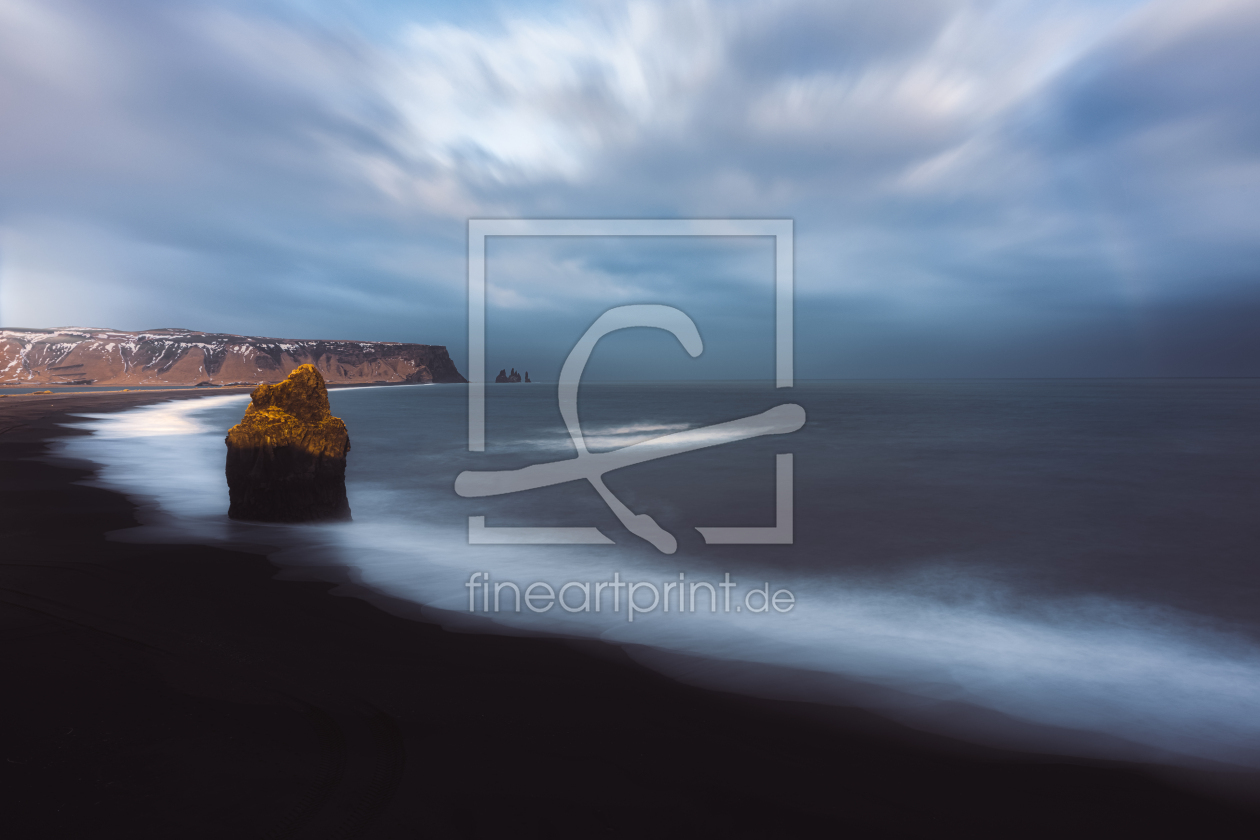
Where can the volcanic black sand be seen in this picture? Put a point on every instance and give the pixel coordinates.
(179, 691)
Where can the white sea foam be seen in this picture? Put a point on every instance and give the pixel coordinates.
(1129, 680)
(178, 417)
(1122, 671)
(167, 456)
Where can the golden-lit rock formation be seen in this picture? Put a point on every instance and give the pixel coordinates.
(286, 459)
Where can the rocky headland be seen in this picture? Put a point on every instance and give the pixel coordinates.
(286, 459)
(89, 356)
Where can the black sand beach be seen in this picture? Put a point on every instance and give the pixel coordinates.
(182, 691)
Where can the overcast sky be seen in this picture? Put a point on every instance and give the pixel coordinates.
(978, 188)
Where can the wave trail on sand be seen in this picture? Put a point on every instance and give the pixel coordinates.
(938, 648)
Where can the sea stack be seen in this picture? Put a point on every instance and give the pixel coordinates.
(504, 376)
(286, 459)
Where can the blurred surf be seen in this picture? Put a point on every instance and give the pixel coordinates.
(1071, 562)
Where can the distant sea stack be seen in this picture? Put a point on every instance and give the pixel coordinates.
(504, 376)
(90, 356)
(286, 460)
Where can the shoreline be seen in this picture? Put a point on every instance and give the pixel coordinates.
(183, 690)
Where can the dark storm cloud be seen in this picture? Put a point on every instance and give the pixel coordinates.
(802, 38)
(1165, 128)
(1199, 69)
(978, 188)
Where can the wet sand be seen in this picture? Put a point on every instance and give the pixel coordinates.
(182, 691)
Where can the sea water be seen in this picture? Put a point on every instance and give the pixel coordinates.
(1067, 566)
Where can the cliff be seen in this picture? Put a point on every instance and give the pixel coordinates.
(286, 459)
(79, 356)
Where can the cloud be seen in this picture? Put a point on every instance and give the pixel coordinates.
(1038, 163)
(1162, 122)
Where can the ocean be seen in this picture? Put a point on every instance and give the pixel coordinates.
(1062, 566)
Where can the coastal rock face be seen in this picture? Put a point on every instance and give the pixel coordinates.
(89, 356)
(286, 459)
